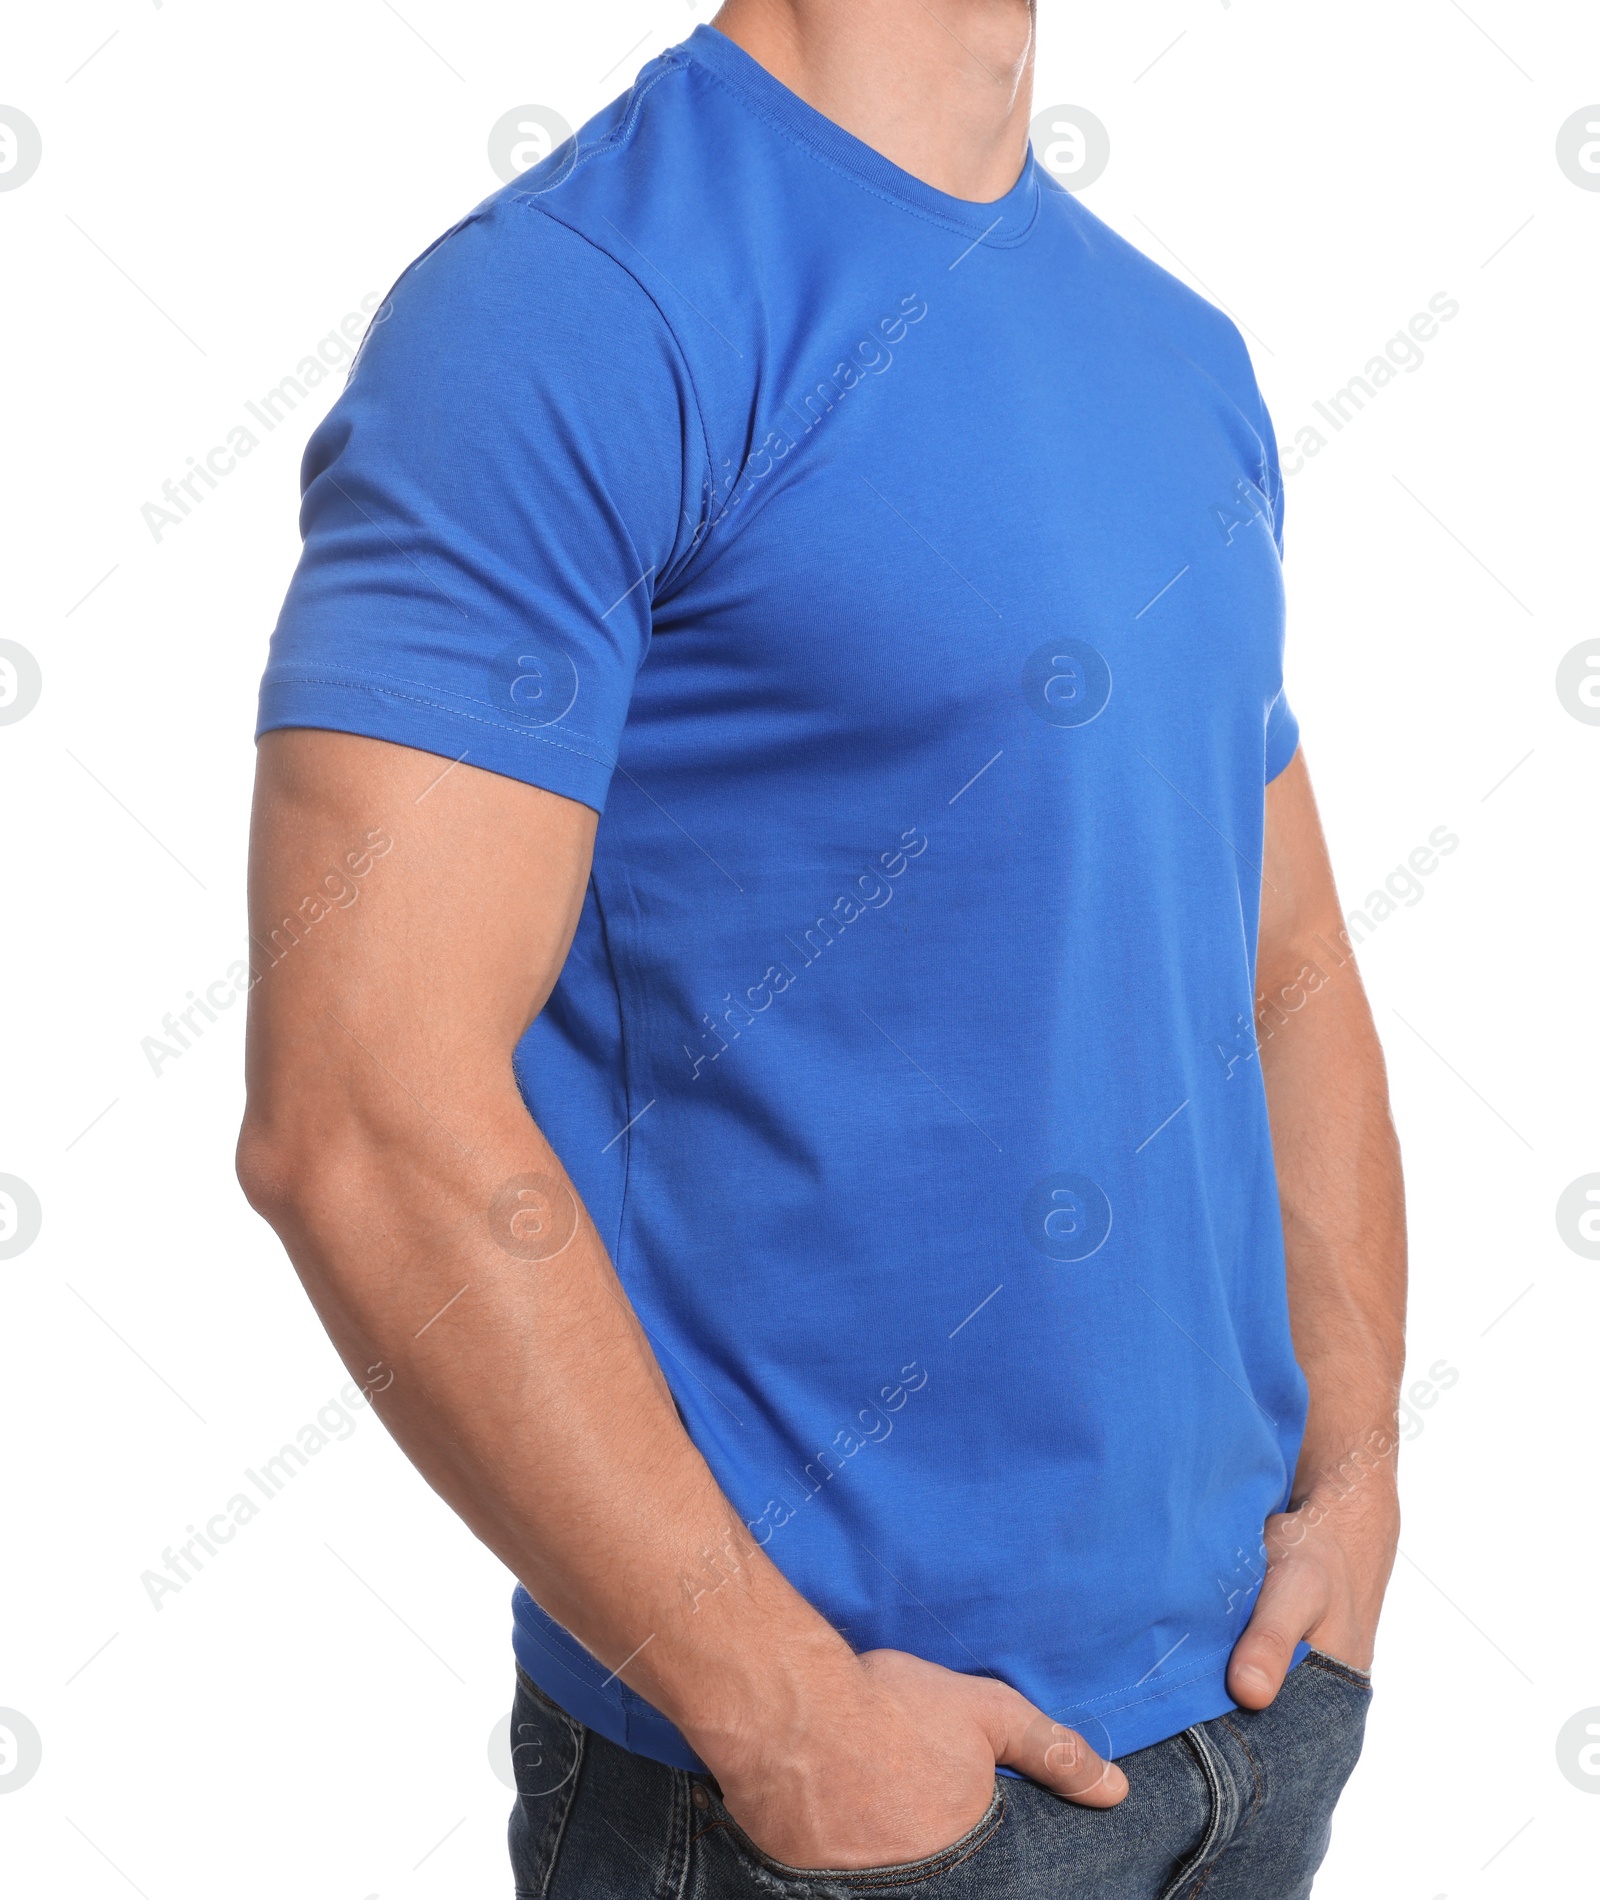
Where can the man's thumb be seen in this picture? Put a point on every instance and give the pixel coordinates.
(1026, 1739)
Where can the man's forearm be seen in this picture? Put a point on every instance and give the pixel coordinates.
(1337, 1159)
(525, 1391)
(1343, 1206)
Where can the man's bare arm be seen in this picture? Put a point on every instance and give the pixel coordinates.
(1339, 1186)
(439, 1238)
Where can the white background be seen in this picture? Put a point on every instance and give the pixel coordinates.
(220, 185)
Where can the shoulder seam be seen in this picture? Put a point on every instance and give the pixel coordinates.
(668, 62)
(531, 204)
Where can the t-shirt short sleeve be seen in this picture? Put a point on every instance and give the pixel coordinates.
(1283, 729)
(1272, 471)
(1283, 736)
(489, 509)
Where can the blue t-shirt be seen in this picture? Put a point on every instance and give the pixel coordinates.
(901, 576)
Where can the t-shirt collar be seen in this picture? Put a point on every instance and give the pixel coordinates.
(1004, 221)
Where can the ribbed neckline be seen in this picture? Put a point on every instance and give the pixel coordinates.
(1004, 221)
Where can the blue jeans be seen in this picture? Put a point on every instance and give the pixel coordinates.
(1238, 1808)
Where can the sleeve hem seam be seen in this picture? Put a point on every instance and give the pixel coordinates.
(594, 754)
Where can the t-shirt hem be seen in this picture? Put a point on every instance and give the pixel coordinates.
(570, 1677)
(1115, 1725)
(375, 709)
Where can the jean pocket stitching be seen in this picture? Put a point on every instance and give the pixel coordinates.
(546, 1701)
(902, 1874)
(546, 1848)
(1332, 1666)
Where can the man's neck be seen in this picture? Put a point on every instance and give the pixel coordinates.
(942, 88)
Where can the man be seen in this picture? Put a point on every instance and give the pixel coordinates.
(818, 1222)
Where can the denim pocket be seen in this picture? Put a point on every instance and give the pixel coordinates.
(546, 1754)
(1346, 1672)
(867, 1880)
(545, 1742)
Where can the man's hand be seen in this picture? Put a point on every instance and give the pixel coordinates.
(896, 1760)
(1328, 1563)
